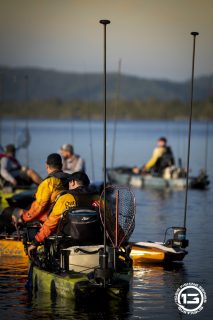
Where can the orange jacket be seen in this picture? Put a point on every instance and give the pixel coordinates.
(64, 202)
(45, 196)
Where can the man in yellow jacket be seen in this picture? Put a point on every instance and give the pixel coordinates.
(47, 191)
(162, 157)
(78, 197)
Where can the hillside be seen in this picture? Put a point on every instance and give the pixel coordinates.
(21, 84)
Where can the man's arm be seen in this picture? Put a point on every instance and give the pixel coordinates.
(42, 202)
(50, 225)
(157, 153)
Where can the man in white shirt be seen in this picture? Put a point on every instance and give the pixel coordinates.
(71, 162)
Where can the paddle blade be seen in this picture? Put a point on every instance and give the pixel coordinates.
(24, 139)
(119, 215)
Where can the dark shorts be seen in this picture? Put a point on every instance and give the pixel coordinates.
(22, 178)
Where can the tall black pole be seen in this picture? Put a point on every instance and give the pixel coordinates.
(105, 22)
(194, 34)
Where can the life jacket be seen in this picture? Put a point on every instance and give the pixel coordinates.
(60, 175)
(2, 155)
(14, 160)
(166, 160)
(82, 223)
(3, 182)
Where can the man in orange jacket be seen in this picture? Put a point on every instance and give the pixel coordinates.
(47, 191)
(78, 197)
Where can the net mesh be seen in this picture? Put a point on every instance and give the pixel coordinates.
(120, 199)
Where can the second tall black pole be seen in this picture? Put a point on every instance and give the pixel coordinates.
(194, 34)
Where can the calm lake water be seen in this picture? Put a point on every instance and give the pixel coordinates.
(153, 287)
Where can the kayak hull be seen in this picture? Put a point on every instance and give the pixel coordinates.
(126, 177)
(73, 285)
(12, 247)
(153, 252)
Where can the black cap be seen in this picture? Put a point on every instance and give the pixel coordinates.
(10, 148)
(54, 160)
(80, 177)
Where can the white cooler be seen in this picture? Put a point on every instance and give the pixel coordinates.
(80, 258)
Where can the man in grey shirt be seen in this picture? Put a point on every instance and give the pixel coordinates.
(71, 162)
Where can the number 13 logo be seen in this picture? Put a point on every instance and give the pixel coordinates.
(187, 300)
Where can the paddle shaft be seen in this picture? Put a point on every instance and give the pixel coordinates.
(194, 34)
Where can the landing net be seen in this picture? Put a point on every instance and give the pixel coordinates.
(120, 213)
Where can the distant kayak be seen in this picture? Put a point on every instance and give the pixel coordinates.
(125, 176)
(20, 197)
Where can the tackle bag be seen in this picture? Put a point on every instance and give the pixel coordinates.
(83, 226)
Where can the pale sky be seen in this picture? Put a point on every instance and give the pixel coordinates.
(152, 37)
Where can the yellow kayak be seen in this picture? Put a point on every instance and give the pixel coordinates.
(12, 247)
(154, 252)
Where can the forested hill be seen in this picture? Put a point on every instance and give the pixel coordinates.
(21, 84)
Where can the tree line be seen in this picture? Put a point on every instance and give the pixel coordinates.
(135, 109)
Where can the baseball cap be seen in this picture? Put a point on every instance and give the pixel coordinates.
(67, 147)
(79, 176)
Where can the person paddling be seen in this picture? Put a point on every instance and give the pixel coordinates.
(162, 157)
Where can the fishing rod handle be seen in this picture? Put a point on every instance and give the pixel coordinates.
(194, 33)
(105, 22)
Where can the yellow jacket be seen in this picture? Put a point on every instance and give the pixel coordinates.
(45, 196)
(157, 153)
(66, 201)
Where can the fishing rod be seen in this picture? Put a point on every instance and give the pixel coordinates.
(194, 34)
(1, 102)
(26, 77)
(71, 127)
(179, 160)
(206, 146)
(105, 256)
(90, 132)
(91, 145)
(115, 113)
